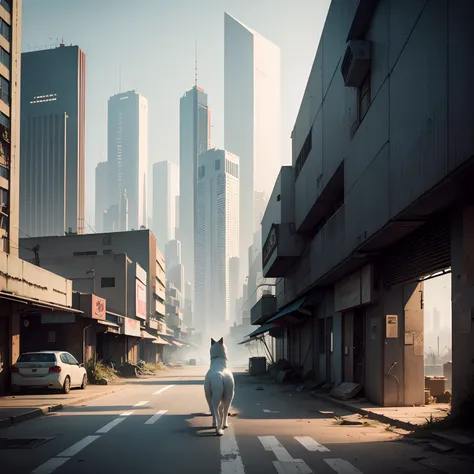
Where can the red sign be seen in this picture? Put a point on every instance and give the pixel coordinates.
(140, 300)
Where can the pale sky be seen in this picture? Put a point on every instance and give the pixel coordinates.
(153, 42)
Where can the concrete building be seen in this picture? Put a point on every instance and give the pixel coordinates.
(194, 139)
(53, 129)
(24, 288)
(252, 120)
(102, 200)
(122, 284)
(127, 156)
(217, 239)
(165, 191)
(139, 246)
(378, 197)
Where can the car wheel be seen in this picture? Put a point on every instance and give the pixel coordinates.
(67, 385)
(84, 382)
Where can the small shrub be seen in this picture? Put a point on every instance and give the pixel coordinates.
(97, 371)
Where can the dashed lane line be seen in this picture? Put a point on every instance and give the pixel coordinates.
(161, 390)
(155, 417)
(140, 404)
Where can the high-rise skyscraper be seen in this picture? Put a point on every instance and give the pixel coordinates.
(217, 240)
(194, 139)
(252, 118)
(165, 190)
(127, 155)
(10, 55)
(102, 200)
(53, 125)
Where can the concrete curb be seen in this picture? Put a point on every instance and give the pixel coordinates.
(40, 411)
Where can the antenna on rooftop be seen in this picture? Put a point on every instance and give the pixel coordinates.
(195, 63)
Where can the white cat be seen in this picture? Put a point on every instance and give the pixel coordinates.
(219, 386)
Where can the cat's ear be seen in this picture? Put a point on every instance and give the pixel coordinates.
(221, 341)
(212, 342)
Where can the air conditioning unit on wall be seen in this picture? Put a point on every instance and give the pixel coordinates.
(356, 62)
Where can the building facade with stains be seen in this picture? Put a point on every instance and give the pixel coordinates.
(377, 199)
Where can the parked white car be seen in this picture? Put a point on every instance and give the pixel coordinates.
(56, 370)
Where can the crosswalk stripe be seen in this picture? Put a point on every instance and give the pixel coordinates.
(270, 443)
(310, 444)
(341, 466)
(297, 466)
(161, 390)
(140, 404)
(155, 417)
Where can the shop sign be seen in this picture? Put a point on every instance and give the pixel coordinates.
(270, 244)
(98, 308)
(131, 327)
(140, 299)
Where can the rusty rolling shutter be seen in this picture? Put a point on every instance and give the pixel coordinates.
(425, 251)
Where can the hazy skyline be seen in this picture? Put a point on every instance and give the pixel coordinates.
(155, 49)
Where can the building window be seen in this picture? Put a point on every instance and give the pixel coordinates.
(4, 120)
(107, 282)
(304, 153)
(364, 97)
(201, 172)
(4, 90)
(5, 57)
(81, 254)
(217, 165)
(5, 30)
(6, 4)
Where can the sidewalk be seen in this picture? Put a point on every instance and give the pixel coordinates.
(410, 419)
(18, 408)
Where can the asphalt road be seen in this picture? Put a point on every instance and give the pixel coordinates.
(162, 425)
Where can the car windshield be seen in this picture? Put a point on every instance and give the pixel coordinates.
(37, 357)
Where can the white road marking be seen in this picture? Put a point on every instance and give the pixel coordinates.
(297, 466)
(109, 426)
(161, 390)
(126, 413)
(310, 444)
(231, 462)
(140, 404)
(49, 466)
(265, 410)
(155, 417)
(341, 466)
(79, 446)
(270, 443)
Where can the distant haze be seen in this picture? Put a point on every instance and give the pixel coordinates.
(154, 42)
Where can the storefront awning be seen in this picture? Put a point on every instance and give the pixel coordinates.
(261, 330)
(146, 335)
(108, 323)
(38, 303)
(160, 340)
(288, 309)
(250, 339)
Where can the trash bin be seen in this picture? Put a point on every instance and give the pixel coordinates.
(257, 365)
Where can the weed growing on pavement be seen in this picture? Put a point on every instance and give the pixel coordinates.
(97, 372)
(147, 367)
